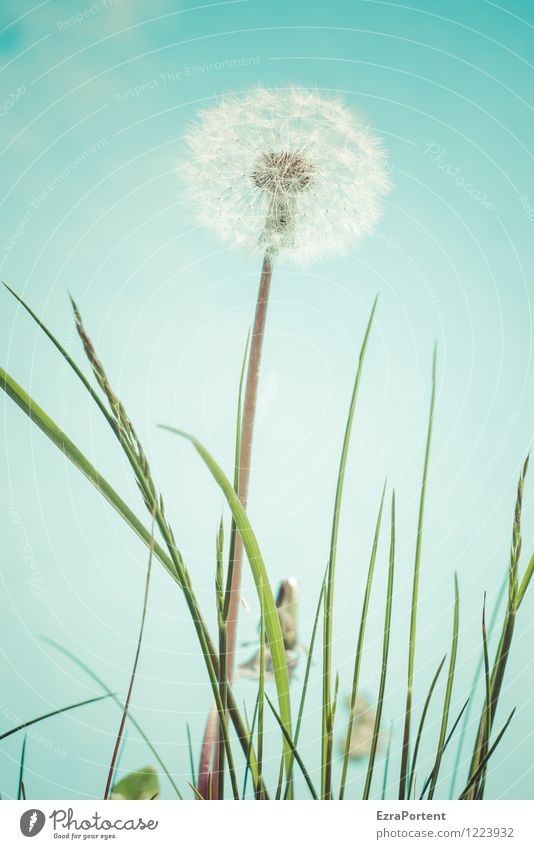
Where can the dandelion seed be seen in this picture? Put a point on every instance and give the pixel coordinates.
(286, 171)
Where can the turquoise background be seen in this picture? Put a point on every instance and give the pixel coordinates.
(91, 127)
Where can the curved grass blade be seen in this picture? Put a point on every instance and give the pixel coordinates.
(326, 765)
(250, 731)
(359, 647)
(385, 655)
(448, 691)
(61, 440)
(422, 725)
(190, 750)
(415, 595)
(294, 751)
(96, 678)
(124, 431)
(259, 572)
(52, 713)
(261, 696)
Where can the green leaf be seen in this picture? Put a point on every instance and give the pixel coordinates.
(141, 785)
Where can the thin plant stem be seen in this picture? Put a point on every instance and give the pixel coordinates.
(415, 597)
(247, 435)
(385, 656)
(448, 690)
(116, 749)
(327, 724)
(422, 725)
(359, 647)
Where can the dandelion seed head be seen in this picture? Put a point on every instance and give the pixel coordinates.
(285, 171)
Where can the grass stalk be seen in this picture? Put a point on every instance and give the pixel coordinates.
(359, 647)
(385, 656)
(415, 596)
(327, 725)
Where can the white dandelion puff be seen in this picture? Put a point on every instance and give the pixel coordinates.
(286, 171)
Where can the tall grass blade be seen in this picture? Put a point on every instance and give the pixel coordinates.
(294, 751)
(422, 725)
(445, 747)
(415, 596)
(386, 763)
(448, 690)
(326, 765)
(259, 572)
(20, 791)
(306, 678)
(359, 647)
(116, 750)
(385, 656)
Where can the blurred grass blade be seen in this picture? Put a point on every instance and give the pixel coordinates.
(483, 763)
(293, 749)
(259, 572)
(386, 763)
(190, 750)
(422, 725)
(96, 678)
(415, 596)
(385, 656)
(48, 715)
(359, 647)
(448, 691)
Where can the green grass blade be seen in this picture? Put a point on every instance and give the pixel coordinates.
(473, 688)
(415, 596)
(445, 747)
(20, 791)
(326, 766)
(292, 746)
(422, 725)
(306, 677)
(259, 572)
(359, 647)
(190, 750)
(261, 695)
(448, 691)
(24, 725)
(385, 656)
(250, 729)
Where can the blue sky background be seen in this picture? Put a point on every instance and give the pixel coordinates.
(92, 115)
